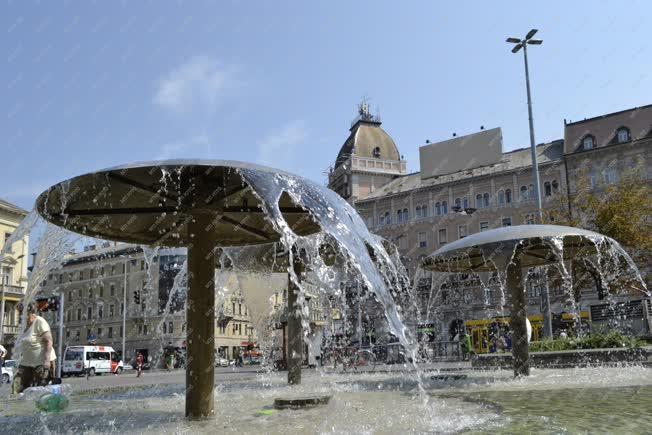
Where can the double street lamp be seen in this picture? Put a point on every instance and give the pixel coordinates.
(523, 43)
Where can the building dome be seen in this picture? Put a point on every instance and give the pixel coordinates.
(367, 139)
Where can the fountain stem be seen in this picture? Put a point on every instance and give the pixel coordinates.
(295, 330)
(515, 287)
(200, 318)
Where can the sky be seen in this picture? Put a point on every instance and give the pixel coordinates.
(89, 85)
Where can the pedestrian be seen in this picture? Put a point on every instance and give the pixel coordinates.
(3, 354)
(169, 361)
(36, 348)
(465, 343)
(139, 364)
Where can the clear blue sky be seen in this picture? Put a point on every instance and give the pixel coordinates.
(88, 85)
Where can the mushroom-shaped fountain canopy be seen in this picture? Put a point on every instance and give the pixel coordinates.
(152, 203)
(539, 245)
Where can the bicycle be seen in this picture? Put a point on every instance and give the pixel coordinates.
(356, 359)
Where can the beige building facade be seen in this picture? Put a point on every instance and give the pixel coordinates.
(481, 188)
(13, 272)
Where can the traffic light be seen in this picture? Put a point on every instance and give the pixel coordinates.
(137, 297)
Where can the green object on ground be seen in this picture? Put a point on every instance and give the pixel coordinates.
(52, 403)
(265, 412)
(613, 339)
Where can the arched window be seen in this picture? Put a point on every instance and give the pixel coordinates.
(622, 135)
(424, 210)
(530, 191)
(406, 215)
(444, 207)
(388, 218)
(382, 219)
(508, 196)
(478, 200)
(547, 188)
(465, 201)
(458, 202)
(523, 193)
(555, 186)
(418, 212)
(399, 216)
(588, 142)
(501, 198)
(438, 208)
(485, 200)
(376, 152)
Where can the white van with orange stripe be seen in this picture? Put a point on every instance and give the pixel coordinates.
(79, 360)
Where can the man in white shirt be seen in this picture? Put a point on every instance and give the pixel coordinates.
(36, 350)
(3, 354)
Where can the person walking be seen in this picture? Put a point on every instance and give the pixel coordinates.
(3, 355)
(139, 364)
(36, 350)
(169, 361)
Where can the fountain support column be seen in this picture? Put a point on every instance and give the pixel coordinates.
(295, 330)
(520, 351)
(200, 318)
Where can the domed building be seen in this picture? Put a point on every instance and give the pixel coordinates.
(367, 160)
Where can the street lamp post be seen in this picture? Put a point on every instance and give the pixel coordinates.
(523, 43)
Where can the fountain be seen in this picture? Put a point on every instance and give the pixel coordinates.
(507, 251)
(206, 205)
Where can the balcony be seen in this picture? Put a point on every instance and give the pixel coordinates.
(10, 329)
(12, 290)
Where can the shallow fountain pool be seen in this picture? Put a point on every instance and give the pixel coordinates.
(550, 401)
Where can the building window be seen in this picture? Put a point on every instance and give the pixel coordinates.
(99, 332)
(100, 312)
(388, 218)
(79, 311)
(444, 207)
(113, 269)
(144, 329)
(165, 328)
(610, 176)
(501, 198)
(69, 297)
(406, 215)
(555, 186)
(443, 238)
(121, 332)
(81, 275)
(171, 327)
(458, 203)
(89, 313)
(423, 240)
(508, 196)
(547, 188)
(593, 180)
(122, 308)
(102, 291)
(399, 216)
(478, 201)
(485, 200)
(109, 333)
(68, 316)
(507, 222)
(67, 334)
(90, 293)
(112, 290)
(588, 142)
(418, 212)
(461, 231)
(381, 220)
(524, 194)
(465, 201)
(79, 293)
(111, 310)
(376, 152)
(140, 329)
(77, 335)
(438, 209)
(91, 273)
(401, 241)
(622, 135)
(484, 226)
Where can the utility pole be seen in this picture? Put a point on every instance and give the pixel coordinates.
(124, 310)
(60, 313)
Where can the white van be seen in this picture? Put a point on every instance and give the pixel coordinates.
(79, 360)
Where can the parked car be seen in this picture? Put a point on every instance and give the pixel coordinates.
(7, 375)
(221, 362)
